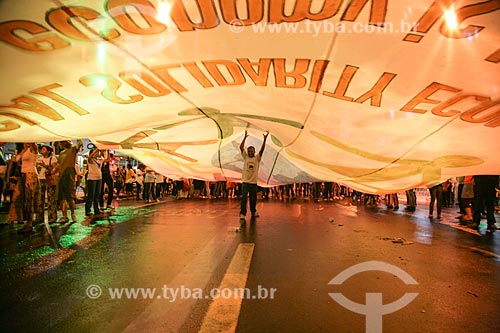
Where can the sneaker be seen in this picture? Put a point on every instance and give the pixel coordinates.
(255, 214)
(242, 216)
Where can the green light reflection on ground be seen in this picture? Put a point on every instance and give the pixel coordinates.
(76, 232)
(13, 261)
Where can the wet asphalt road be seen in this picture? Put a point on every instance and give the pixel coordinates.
(298, 248)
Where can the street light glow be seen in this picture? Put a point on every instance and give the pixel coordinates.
(163, 11)
(450, 17)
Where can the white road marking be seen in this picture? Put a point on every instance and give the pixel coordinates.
(57, 257)
(163, 315)
(484, 252)
(49, 261)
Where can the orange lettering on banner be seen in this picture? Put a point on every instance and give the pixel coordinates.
(8, 125)
(208, 14)
(466, 12)
(281, 75)
(46, 42)
(121, 11)
(196, 72)
(493, 123)
(28, 103)
(430, 17)
(301, 11)
(260, 74)
(494, 57)
(45, 91)
(145, 83)
(375, 93)
(318, 72)
(14, 115)
(61, 20)
(164, 75)
(427, 92)
(343, 84)
(438, 110)
(378, 11)
(255, 12)
(110, 87)
(232, 68)
(481, 113)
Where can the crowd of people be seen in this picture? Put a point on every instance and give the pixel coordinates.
(39, 184)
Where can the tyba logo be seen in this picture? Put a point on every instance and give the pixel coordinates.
(374, 309)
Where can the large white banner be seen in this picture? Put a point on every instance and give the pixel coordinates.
(381, 95)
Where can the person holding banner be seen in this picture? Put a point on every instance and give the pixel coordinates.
(250, 176)
(93, 184)
(29, 182)
(67, 180)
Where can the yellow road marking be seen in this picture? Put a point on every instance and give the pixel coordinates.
(223, 313)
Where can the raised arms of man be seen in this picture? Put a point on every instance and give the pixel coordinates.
(242, 144)
(261, 151)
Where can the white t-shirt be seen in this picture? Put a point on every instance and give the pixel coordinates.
(94, 168)
(49, 161)
(149, 176)
(28, 161)
(139, 177)
(250, 168)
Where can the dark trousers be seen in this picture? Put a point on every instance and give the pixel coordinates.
(108, 181)
(248, 190)
(460, 203)
(92, 198)
(411, 198)
(138, 191)
(436, 195)
(149, 191)
(484, 196)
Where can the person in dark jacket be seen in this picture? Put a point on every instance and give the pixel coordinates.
(484, 197)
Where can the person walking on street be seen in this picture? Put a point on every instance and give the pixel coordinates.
(66, 184)
(94, 179)
(29, 182)
(250, 176)
(411, 200)
(436, 192)
(485, 196)
(107, 179)
(47, 176)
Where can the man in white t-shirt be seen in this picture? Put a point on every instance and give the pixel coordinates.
(250, 175)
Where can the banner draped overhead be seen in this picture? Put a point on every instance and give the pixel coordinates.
(380, 95)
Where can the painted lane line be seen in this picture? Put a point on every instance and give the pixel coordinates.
(461, 227)
(95, 236)
(62, 254)
(223, 313)
(164, 315)
(484, 252)
(49, 261)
